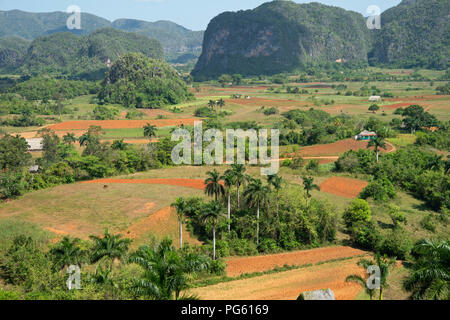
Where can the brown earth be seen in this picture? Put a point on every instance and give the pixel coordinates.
(288, 285)
(336, 148)
(119, 124)
(241, 265)
(188, 183)
(344, 187)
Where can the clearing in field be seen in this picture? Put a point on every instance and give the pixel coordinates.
(241, 265)
(187, 183)
(288, 285)
(344, 187)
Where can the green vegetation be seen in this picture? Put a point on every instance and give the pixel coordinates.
(136, 81)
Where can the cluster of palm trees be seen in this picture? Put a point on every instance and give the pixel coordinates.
(220, 103)
(255, 193)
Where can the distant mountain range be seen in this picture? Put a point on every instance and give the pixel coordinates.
(175, 39)
(282, 36)
(66, 54)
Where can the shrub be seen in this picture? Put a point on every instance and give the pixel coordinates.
(217, 267)
(396, 244)
(365, 235)
(428, 223)
(380, 190)
(359, 210)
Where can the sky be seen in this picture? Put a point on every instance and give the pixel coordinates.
(192, 14)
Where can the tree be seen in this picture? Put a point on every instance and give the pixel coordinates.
(239, 176)
(237, 79)
(181, 207)
(383, 264)
(212, 104)
(14, 153)
(256, 195)
(374, 108)
(308, 183)
(166, 271)
(109, 247)
(429, 277)
(150, 131)
(276, 182)
(225, 79)
(359, 210)
(212, 215)
(91, 140)
(228, 178)
(213, 185)
(69, 138)
(50, 143)
(66, 253)
(221, 104)
(377, 143)
(415, 118)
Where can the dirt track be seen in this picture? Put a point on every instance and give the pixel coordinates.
(238, 266)
(188, 183)
(344, 187)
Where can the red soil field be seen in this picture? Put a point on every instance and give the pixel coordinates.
(344, 187)
(119, 124)
(188, 183)
(241, 265)
(336, 148)
(265, 102)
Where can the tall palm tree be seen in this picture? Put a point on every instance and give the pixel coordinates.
(83, 140)
(363, 283)
(181, 206)
(256, 195)
(378, 143)
(228, 178)
(213, 185)
(66, 253)
(69, 138)
(212, 215)
(308, 183)
(276, 182)
(166, 271)
(384, 264)
(150, 131)
(109, 246)
(212, 104)
(429, 277)
(221, 104)
(239, 176)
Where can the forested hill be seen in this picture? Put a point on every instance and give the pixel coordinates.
(84, 56)
(416, 33)
(280, 36)
(175, 39)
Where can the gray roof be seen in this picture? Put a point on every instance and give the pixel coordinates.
(35, 144)
(325, 294)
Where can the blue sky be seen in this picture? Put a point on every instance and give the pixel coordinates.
(193, 14)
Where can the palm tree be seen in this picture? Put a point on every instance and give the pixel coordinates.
(276, 182)
(239, 176)
(213, 185)
(212, 215)
(109, 247)
(166, 271)
(150, 131)
(308, 183)
(69, 138)
(384, 264)
(212, 104)
(66, 253)
(377, 143)
(256, 195)
(429, 276)
(221, 104)
(181, 206)
(83, 140)
(363, 282)
(228, 178)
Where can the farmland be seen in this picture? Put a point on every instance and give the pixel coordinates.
(137, 203)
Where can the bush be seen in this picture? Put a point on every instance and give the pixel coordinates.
(359, 211)
(271, 111)
(268, 246)
(380, 190)
(365, 235)
(428, 223)
(217, 267)
(396, 244)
